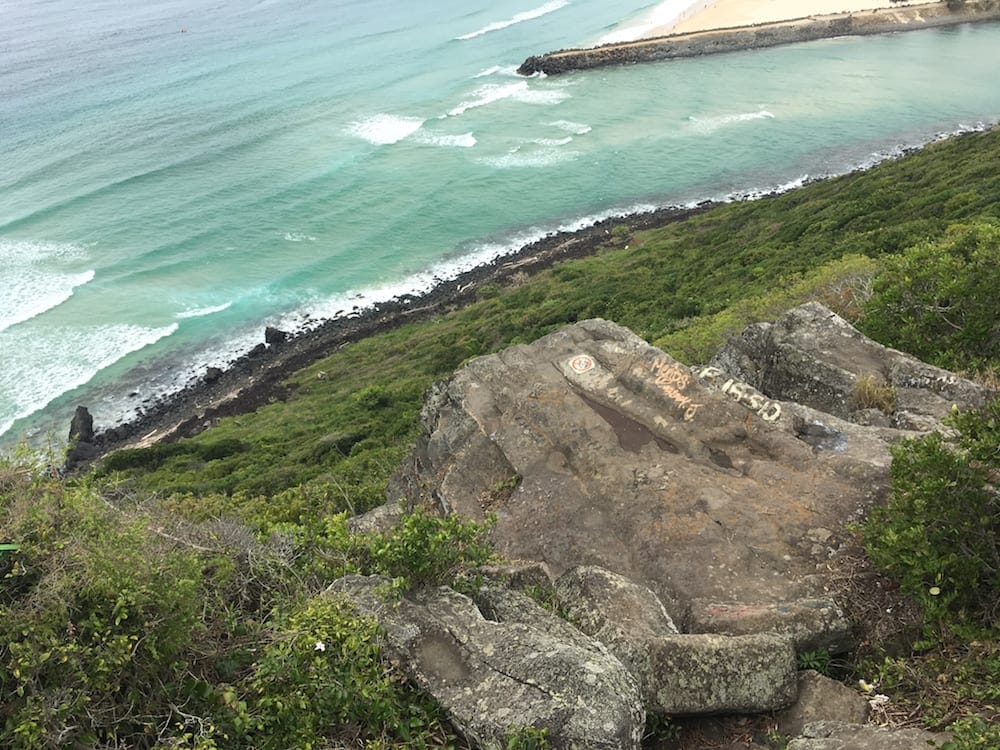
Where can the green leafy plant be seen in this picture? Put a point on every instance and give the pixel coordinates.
(429, 550)
(527, 738)
(938, 299)
(939, 534)
(322, 678)
(819, 660)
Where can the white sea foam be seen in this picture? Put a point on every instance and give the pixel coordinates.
(489, 93)
(527, 15)
(553, 141)
(518, 158)
(201, 312)
(542, 96)
(384, 129)
(299, 237)
(48, 366)
(576, 128)
(509, 71)
(35, 279)
(518, 91)
(664, 15)
(708, 125)
(462, 140)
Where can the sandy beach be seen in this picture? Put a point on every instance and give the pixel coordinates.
(724, 14)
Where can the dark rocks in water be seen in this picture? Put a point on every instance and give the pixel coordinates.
(274, 335)
(257, 350)
(81, 439)
(81, 428)
(212, 374)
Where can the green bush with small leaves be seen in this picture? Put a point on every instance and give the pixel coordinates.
(322, 680)
(938, 299)
(940, 531)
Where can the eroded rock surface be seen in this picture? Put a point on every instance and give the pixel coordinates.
(713, 498)
(617, 456)
(822, 699)
(813, 357)
(522, 666)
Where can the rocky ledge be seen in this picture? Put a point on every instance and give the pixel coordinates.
(684, 521)
(878, 21)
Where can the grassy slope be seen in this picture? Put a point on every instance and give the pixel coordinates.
(683, 287)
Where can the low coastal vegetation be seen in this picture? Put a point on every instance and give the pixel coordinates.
(173, 596)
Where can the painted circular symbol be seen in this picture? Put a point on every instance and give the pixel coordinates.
(581, 363)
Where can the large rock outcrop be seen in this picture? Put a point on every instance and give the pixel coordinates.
(813, 357)
(592, 447)
(709, 500)
(505, 664)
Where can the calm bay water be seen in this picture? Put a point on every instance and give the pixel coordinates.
(174, 176)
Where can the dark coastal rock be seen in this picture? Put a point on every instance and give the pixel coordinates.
(212, 374)
(274, 335)
(82, 448)
(81, 428)
(518, 665)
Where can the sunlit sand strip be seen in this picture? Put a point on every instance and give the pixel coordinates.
(725, 14)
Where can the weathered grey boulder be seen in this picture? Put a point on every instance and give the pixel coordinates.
(705, 674)
(812, 624)
(822, 699)
(379, 519)
(526, 667)
(610, 453)
(603, 604)
(813, 357)
(522, 575)
(836, 735)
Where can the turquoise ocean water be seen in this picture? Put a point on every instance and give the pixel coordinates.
(176, 175)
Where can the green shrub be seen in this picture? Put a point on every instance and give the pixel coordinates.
(426, 550)
(938, 300)
(322, 679)
(939, 534)
(99, 618)
(973, 733)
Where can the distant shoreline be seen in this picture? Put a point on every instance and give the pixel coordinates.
(692, 44)
(256, 378)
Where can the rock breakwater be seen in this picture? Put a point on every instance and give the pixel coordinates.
(878, 21)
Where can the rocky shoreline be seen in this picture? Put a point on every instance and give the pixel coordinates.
(256, 377)
(878, 21)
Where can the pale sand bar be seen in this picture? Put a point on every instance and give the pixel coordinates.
(726, 14)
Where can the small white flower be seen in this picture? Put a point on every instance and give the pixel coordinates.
(878, 700)
(320, 646)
